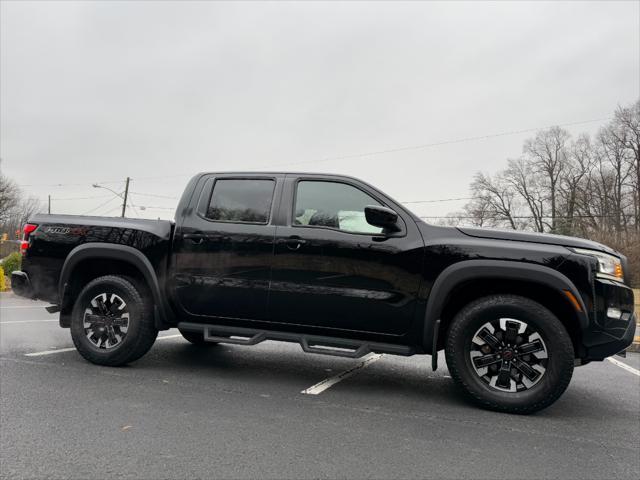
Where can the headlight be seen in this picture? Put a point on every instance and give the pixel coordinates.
(608, 266)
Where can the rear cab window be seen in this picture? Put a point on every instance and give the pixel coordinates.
(241, 200)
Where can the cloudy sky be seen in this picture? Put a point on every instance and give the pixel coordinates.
(98, 91)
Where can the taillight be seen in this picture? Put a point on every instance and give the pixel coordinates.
(29, 228)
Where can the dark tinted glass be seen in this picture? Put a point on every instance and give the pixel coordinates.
(241, 201)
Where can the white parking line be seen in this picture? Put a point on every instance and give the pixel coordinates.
(624, 366)
(61, 350)
(168, 336)
(29, 321)
(49, 352)
(329, 382)
(22, 306)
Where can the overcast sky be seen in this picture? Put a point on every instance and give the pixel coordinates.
(97, 91)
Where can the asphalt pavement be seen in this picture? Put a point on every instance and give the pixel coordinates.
(229, 411)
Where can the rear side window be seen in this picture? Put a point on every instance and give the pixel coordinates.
(242, 201)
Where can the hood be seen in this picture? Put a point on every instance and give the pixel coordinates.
(519, 236)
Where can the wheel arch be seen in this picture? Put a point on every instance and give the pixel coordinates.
(466, 281)
(89, 261)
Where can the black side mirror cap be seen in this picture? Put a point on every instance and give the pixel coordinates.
(382, 217)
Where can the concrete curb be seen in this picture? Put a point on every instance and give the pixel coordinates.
(635, 346)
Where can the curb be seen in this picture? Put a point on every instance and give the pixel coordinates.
(635, 346)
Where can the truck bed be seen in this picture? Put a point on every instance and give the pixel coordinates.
(57, 235)
(159, 228)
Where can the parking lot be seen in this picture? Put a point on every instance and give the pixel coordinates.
(239, 412)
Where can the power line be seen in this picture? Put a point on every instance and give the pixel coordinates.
(86, 184)
(446, 142)
(133, 208)
(58, 199)
(100, 206)
(359, 155)
(111, 210)
(163, 177)
(439, 200)
(154, 195)
(80, 198)
(148, 207)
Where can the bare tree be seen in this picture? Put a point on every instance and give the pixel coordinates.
(15, 209)
(9, 197)
(479, 211)
(522, 179)
(573, 183)
(20, 215)
(548, 152)
(611, 149)
(494, 198)
(627, 120)
(584, 187)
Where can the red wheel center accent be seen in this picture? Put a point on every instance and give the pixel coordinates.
(507, 355)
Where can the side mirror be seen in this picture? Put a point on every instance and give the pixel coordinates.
(382, 217)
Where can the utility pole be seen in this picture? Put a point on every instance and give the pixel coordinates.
(126, 192)
(49, 209)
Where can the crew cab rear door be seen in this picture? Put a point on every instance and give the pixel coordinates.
(332, 269)
(223, 248)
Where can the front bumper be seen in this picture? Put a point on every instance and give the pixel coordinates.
(609, 335)
(21, 285)
(614, 345)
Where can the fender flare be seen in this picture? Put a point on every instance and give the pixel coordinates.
(467, 270)
(86, 251)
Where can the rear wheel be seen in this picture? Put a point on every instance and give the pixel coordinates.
(112, 322)
(196, 338)
(509, 353)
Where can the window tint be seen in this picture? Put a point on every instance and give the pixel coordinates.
(334, 205)
(241, 201)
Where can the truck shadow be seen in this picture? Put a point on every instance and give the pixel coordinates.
(281, 366)
(275, 367)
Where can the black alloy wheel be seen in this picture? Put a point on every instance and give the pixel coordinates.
(112, 321)
(509, 353)
(106, 320)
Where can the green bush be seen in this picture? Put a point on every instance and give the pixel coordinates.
(11, 263)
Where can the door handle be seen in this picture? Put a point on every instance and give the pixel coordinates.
(196, 238)
(294, 243)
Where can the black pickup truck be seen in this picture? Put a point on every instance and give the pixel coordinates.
(336, 265)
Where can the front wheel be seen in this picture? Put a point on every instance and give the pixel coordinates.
(509, 354)
(112, 321)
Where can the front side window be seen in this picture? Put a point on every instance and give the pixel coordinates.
(241, 200)
(333, 205)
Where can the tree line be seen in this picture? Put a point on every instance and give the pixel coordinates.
(15, 207)
(582, 186)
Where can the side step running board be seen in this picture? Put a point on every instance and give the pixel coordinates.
(338, 347)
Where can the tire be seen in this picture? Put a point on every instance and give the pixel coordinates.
(112, 305)
(196, 338)
(509, 390)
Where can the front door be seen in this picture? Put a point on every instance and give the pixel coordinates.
(224, 249)
(334, 270)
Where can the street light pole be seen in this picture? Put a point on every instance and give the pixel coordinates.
(126, 193)
(124, 197)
